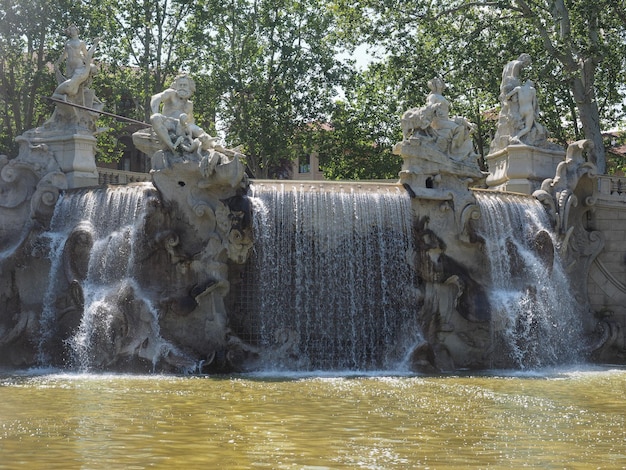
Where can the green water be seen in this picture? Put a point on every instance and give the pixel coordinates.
(573, 419)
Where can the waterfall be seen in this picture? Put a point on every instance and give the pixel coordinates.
(109, 220)
(332, 275)
(536, 320)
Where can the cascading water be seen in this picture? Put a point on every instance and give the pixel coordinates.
(334, 283)
(108, 222)
(536, 320)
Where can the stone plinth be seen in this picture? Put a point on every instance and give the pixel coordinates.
(522, 168)
(74, 153)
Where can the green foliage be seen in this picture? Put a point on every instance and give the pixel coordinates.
(578, 50)
(347, 149)
(365, 127)
(616, 155)
(273, 69)
(109, 148)
(269, 72)
(27, 32)
(147, 36)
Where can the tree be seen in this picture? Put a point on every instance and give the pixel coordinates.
(413, 52)
(580, 37)
(32, 35)
(580, 44)
(364, 126)
(28, 33)
(273, 69)
(147, 37)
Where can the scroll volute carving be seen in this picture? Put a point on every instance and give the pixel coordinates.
(17, 182)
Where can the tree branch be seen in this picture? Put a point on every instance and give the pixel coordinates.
(568, 60)
(469, 5)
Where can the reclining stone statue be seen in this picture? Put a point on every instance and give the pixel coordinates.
(175, 137)
(435, 130)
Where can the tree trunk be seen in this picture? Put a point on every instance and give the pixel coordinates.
(590, 121)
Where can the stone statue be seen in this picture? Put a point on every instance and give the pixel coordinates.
(527, 108)
(176, 138)
(434, 129)
(511, 73)
(78, 66)
(519, 113)
(172, 112)
(439, 162)
(66, 141)
(73, 87)
(557, 194)
(520, 154)
(75, 54)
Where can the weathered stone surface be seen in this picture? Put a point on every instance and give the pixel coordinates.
(167, 304)
(521, 168)
(520, 155)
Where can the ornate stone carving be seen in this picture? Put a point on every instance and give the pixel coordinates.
(203, 184)
(608, 338)
(454, 310)
(439, 161)
(520, 155)
(175, 138)
(199, 226)
(518, 122)
(66, 142)
(557, 193)
(440, 136)
(29, 188)
(567, 197)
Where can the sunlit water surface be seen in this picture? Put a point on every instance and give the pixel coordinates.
(557, 419)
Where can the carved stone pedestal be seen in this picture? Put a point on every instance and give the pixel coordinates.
(75, 154)
(521, 168)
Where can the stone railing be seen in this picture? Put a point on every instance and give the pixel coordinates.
(110, 176)
(612, 187)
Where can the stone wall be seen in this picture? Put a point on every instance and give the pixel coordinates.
(607, 275)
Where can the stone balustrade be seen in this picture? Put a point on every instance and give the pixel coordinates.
(111, 176)
(612, 187)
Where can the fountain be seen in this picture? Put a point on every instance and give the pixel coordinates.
(331, 284)
(534, 324)
(201, 270)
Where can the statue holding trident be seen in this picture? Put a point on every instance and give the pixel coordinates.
(78, 68)
(72, 91)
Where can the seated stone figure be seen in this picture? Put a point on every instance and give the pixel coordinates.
(175, 139)
(167, 109)
(433, 127)
(175, 135)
